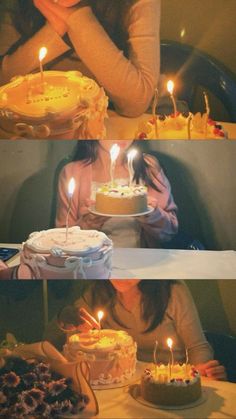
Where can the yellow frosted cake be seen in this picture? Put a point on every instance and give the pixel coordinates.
(110, 353)
(183, 387)
(65, 105)
(121, 200)
(181, 127)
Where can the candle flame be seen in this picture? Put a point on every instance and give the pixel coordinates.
(114, 152)
(42, 53)
(71, 187)
(170, 87)
(100, 315)
(169, 343)
(132, 154)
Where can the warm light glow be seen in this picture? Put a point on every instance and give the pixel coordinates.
(100, 315)
(114, 152)
(170, 87)
(169, 343)
(132, 154)
(71, 187)
(183, 33)
(42, 53)
(74, 338)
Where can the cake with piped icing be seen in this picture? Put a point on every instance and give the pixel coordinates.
(81, 254)
(121, 200)
(181, 387)
(65, 105)
(110, 353)
(180, 127)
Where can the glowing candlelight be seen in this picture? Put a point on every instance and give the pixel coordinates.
(114, 153)
(71, 189)
(186, 362)
(170, 88)
(131, 155)
(154, 109)
(42, 54)
(171, 363)
(100, 316)
(207, 111)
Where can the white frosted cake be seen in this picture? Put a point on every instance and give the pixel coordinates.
(181, 388)
(181, 127)
(110, 353)
(86, 254)
(66, 105)
(121, 200)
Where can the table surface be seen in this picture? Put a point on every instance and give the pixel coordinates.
(220, 402)
(166, 264)
(122, 128)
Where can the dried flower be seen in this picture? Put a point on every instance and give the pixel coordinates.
(11, 379)
(3, 398)
(29, 378)
(57, 387)
(38, 395)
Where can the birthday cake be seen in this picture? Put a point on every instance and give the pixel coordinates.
(182, 387)
(121, 200)
(65, 105)
(180, 127)
(82, 254)
(110, 353)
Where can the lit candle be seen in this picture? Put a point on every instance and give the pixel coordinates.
(100, 316)
(190, 118)
(154, 116)
(114, 153)
(186, 362)
(42, 54)
(170, 88)
(155, 356)
(131, 155)
(207, 111)
(71, 189)
(171, 363)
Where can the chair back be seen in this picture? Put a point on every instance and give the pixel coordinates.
(195, 68)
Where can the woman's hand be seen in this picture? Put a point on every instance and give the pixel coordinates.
(89, 220)
(212, 369)
(55, 13)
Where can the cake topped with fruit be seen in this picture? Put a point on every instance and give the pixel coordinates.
(173, 385)
(180, 126)
(62, 104)
(121, 199)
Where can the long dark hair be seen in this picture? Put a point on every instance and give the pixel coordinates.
(155, 296)
(28, 20)
(87, 151)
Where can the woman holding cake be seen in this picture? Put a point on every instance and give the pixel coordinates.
(150, 311)
(115, 42)
(91, 169)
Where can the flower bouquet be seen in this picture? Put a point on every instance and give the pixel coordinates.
(36, 381)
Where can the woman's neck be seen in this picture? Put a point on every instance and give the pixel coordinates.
(101, 167)
(131, 298)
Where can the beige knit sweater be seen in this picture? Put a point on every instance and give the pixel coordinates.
(181, 323)
(129, 82)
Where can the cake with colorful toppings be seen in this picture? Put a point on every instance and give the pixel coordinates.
(180, 387)
(72, 254)
(180, 127)
(121, 199)
(65, 105)
(110, 353)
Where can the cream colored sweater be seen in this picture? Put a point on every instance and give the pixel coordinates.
(129, 82)
(181, 323)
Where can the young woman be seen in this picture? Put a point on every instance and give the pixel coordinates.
(91, 168)
(150, 311)
(115, 42)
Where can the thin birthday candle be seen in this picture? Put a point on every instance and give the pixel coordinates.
(154, 109)
(71, 188)
(131, 155)
(42, 54)
(170, 88)
(155, 356)
(207, 111)
(171, 363)
(114, 153)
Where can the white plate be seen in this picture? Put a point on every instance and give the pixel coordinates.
(149, 211)
(134, 391)
(136, 377)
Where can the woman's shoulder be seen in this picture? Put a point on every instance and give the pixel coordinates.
(180, 295)
(73, 168)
